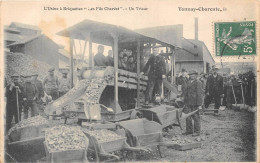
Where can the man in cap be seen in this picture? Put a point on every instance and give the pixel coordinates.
(214, 89)
(30, 97)
(14, 97)
(64, 85)
(39, 86)
(193, 99)
(51, 84)
(100, 59)
(157, 73)
(110, 59)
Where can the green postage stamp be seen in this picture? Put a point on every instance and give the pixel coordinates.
(235, 38)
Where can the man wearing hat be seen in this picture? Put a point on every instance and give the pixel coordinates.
(157, 71)
(64, 85)
(14, 97)
(51, 84)
(193, 99)
(31, 94)
(214, 89)
(39, 87)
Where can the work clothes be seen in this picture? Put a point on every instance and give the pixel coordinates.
(157, 68)
(110, 61)
(51, 84)
(196, 118)
(153, 87)
(64, 86)
(40, 89)
(31, 94)
(100, 60)
(11, 104)
(194, 93)
(193, 98)
(214, 88)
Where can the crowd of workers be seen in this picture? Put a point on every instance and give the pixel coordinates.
(26, 93)
(126, 60)
(198, 90)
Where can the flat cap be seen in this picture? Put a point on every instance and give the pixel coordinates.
(51, 69)
(193, 72)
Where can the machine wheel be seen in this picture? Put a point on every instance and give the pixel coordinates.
(135, 115)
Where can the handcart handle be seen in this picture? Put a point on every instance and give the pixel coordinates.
(109, 155)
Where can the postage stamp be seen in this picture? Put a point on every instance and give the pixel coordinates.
(235, 38)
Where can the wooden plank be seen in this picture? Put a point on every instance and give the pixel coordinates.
(131, 80)
(115, 37)
(71, 63)
(90, 52)
(138, 72)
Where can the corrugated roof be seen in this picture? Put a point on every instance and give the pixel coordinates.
(13, 37)
(171, 34)
(101, 33)
(27, 26)
(24, 41)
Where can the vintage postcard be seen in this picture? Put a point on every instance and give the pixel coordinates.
(129, 81)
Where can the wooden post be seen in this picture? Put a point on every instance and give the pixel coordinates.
(91, 64)
(138, 71)
(115, 37)
(172, 67)
(174, 64)
(71, 62)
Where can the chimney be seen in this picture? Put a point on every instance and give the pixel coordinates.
(196, 28)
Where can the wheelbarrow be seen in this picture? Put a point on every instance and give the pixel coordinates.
(143, 133)
(28, 140)
(166, 115)
(104, 150)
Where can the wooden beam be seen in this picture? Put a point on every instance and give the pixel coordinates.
(91, 58)
(115, 48)
(138, 71)
(71, 62)
(174, 69)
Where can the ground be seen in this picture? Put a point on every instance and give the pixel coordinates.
(229, 137)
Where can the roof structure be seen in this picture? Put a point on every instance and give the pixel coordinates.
(13, 37)
(101, 33)
(24, 41)
(192, 50)
(171, 34)
(27, 26)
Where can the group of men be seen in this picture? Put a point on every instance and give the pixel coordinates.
(197, 90)
(125, 61)
(26, 93)
(206, 87)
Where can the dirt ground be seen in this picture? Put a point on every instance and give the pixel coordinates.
(229, 137)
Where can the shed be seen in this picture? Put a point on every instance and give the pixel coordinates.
(194, 55)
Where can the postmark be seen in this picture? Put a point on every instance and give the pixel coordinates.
(235, 38)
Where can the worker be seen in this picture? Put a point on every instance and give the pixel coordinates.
(182, 81)
(193, 100)
(51, 83)
(64, 84)
(100, 59)
(157, 72)
(124, 62)
(14, 96)
(39, 86)
(131, 64)
(214, 89)
(110, 59)
(31, 94)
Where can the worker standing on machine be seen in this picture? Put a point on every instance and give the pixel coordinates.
(193, 99)
(157, 72)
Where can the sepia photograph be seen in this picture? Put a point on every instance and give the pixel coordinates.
(129, 81)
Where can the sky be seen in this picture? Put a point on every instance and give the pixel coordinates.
(158, 13)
